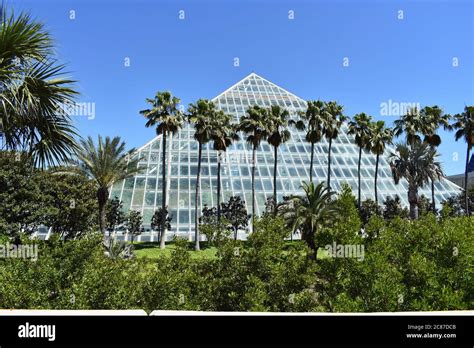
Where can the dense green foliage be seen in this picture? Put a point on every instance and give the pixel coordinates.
(456, 205)
(407, 265)
(387, 262)
(30, 197)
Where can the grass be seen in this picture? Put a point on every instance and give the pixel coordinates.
(152, 250)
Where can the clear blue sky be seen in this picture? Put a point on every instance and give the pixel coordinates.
(409, 60)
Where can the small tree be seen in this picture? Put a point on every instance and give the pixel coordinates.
(236, 215)
(456, 205)
(393, 208)
(270, 206)
(216, 230)
(134, 223)
(114, 214)
(156, 222)
(368, 209)
(209, 215)
(425, 206)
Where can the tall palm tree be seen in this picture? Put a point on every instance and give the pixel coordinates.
(168, 119)
(464, 126)
(202, 116)
(417, 164)
(224, 133)
(255, 125)
(105, 163)
(412, 124)
(360, 128)
(433, 118)
(33, 93)
(309, 213)
(312, 121)
(333, 119)
(380, 137)
(278, 133)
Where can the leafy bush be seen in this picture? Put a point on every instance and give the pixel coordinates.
(393, 208)
(407, 265)
(216, 233)
(30, 198)
(368, 209)
(416, 265)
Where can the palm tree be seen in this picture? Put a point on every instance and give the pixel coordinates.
(360, 128)
(412, 124)
(464, 126)
(168, 119)
(309, 213)
(332, 121)
(202, 115)
(33, 93)
(223, 134)
(312, 121)
(105, 163)
(278, 134)
(254, 125)
(417, 164)
(433, 118)
(424, 122)
(380, 137)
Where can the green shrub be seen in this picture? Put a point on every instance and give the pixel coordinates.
(407, 265)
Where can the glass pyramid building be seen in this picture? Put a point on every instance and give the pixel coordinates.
(143, 192)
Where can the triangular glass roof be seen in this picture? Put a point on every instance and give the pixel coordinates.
(143, 192)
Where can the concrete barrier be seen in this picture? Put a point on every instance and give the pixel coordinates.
(140, 312)
(317, 314)
(58, 312)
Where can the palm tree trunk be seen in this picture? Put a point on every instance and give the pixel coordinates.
(163, 194)
(329, 164)
(433, 203)
(219, 187)
(196, 200)
(253, 184)
(376, 176)
(102, 195)
(311, 163)
(413, 200)
(309, 239)
(466, 200)
(358, 177)
(275, 149)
